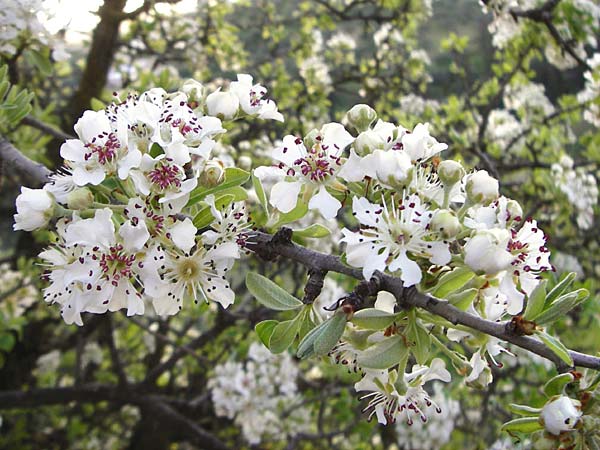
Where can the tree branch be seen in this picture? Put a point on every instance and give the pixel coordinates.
(48, 129)
(34, 173)
(314, 260)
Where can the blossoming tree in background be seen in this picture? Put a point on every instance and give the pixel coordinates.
(294, 268)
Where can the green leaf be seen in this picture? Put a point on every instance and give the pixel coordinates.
(205, 217)
(561, 287)
(523, 425)
(306, 348)
(462, 300)
(556, 385)
(452, 281)
(283, 335)
(561, 306)
(269, 294)
(536, 301)
(523, 410)
(556, 346)
(233, 177)
(96, 104)
(7, 342)
(264, 330)
(373, 319)
(384, 354)
(260, 192)
(330, 334)
(315, 230)
(295, 214)
(420, 340)
(39, 60)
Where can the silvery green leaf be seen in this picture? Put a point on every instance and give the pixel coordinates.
(271, 295)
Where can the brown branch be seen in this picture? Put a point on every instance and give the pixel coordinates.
(411, 297)
(48, 129)
(100, 393)
(35, 174)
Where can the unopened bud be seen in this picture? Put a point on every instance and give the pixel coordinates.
(361, 117)
(80, 198)
(367, 142)
(224, 104)
(450, 172)
(244, 162)
(445, 223)
(213, 173)
(481, 187)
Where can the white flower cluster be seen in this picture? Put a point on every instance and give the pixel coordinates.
(585, 13)
(437, 432)
(122, 241)
(525, 105)
(261, 395)
(591, 91)
(20, 25)
(17, 292)
(417, 216)
(580, 188)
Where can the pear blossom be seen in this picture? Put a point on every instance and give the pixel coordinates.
(487, 251)
(389, 234)
(94, 269)
(221, 103)
(312, 169)
(183, 133)
(199, 274)
(35, 208)
(263, 381)
(99, 151)
(560, 414)
(231, 224)
(162, 176)
(251, 98)
(420, 145)
(387, 403)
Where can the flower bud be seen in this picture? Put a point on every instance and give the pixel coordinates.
(367, 142)
(445, 223)
(450, 172)
(361, 117)
(244, 162)
(481, 187)
(35, 208)
(80, 198)
(213, 173)
(225, 104)
(487, 251)
(561, 414)
(390, 167)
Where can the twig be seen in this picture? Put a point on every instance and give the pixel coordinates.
(34, 173)
(48, 129)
